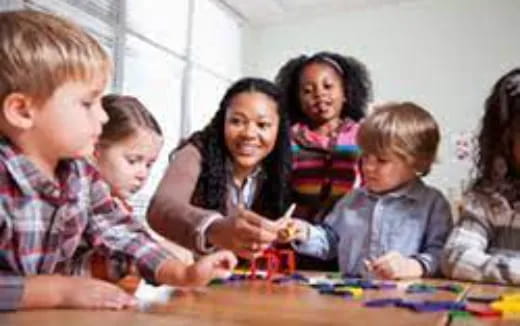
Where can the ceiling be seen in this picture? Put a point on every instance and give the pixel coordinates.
(261, 12)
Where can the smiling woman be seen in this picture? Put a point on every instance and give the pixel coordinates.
(227, 183)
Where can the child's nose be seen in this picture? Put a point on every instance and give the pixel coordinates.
(142, 174)
(320, 91)
(102, 116)
(368, 165)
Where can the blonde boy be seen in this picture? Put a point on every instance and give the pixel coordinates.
(53, 205)
(394, 226)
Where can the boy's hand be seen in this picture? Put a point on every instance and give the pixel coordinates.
(74, 292)
(293, 230)
(393, 265)
(216, 265)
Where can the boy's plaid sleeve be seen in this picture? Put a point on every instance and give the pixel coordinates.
(11, 291)
(117, 232)
(11, 285)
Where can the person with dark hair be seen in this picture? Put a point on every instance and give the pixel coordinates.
(227, 184)
(326, 95)
(485, 245)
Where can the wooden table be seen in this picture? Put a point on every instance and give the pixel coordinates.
(251, 303)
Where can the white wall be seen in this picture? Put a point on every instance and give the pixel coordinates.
(443, 54)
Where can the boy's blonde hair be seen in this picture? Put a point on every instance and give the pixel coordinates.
(39, 52)
(404, 129)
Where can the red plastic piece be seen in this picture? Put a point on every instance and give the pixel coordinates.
(276, 261)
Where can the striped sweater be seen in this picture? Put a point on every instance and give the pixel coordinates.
(324, 168)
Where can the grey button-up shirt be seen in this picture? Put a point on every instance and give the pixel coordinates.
(414, 220)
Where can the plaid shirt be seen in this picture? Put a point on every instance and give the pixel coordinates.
(48, 228)
(485, 244)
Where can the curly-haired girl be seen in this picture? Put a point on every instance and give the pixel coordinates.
(485, 246)
(326, 95)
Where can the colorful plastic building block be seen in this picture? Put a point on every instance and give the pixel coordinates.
(509, 306)
(276, 261)
(419, 306)
(482, 310)
(369, 284)
(428, 288)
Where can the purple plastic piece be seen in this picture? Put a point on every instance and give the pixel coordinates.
(369, 284)
(424, 306)
(382, 302)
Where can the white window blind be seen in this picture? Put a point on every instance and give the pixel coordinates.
(164, 22)
(154, 77)
(202, 108)
(216, 40)
(98, 17)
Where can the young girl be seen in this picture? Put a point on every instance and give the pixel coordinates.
(128, 146)
(394, 226)
(226, 183)
(485, 245)
(326, 95)
(126, 151)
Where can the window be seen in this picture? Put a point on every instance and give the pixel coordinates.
(169, 28)
(216, 40)
(154, 77)
(216, 60)
(99, 18)
(202, 108)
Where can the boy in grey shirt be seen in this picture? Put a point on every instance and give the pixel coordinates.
(394, 226)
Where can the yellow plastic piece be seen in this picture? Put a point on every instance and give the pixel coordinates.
(356, 292)
(288, 233)
(507, 306)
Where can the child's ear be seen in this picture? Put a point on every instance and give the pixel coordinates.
(19, 111)
(422, 167)
(97, 151)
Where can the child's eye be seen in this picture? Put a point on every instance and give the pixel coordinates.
(328, 85)
(87, 104)
(264, 125)
(132, 160)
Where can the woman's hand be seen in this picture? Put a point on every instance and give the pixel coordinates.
(247, 234)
